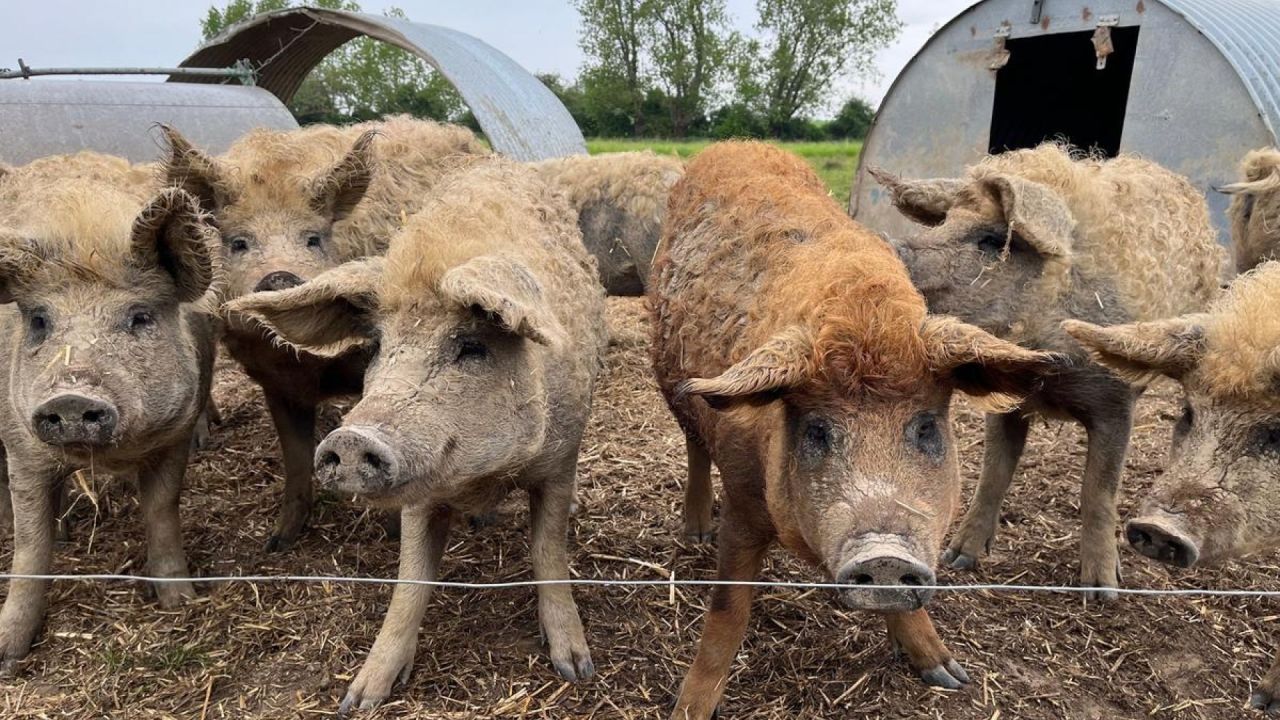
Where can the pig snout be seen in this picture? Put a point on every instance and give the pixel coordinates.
(1162, 540)
(875, 569)
(278, 280)
(357, 460)
(74, 419)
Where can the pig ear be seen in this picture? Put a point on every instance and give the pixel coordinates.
(193, 171)
(341, 189)
(779, 365)
(325, 316)
(924, 201)
(172, 233)
(996, 372)
(1261, 170)
(505, 291)
(1139, 352)
(1035, 212)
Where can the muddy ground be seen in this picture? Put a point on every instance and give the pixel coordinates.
(289, 650)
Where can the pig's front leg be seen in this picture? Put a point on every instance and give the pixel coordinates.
(741, 553)
(1267, 696)
(699, 497)
(1006, 436)
(423, 534)
(159, 489)
(557, 613)
(1099, 556)
(296, 427)
(24, 607)
(913, 633)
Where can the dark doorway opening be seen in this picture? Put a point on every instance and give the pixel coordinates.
(1051, 89)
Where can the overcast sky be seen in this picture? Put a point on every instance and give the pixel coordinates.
(542, 35)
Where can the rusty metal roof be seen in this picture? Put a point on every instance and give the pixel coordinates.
(50, 117)
(520, 116)
(1247, 33)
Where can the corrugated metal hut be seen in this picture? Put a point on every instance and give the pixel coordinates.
(1191, 84)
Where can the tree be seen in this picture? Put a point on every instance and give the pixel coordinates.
(363, 80)
(690, 43)
(611, 38)
(806, 46)
(853, 120)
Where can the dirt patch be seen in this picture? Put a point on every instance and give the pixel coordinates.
(288, 651)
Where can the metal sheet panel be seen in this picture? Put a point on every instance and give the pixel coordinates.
(50, 117)
(519, 115)
(1247, 33)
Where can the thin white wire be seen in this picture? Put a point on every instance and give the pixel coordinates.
(654, 582)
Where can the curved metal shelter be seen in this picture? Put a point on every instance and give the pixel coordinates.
(519, 115)
(49, 117)
(1190, 84)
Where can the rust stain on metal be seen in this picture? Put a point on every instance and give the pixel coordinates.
(1142, 7)
(973, 31)
(1086, 13)
(1044, 24)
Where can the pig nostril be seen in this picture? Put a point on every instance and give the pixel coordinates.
(329, 458)
(52, 419)
(863, 579)
(373, 461)
(1139, 537)
(910, 579)
(92, 416)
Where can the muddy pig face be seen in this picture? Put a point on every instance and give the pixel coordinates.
(1219, 496)
(100, 354)
(275, 233)
(455, 390)
(985, 245)
(861, 485)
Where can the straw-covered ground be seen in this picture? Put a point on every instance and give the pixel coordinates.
(289, 650)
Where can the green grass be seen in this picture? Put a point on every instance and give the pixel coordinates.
(835, 162)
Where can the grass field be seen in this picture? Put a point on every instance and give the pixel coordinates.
(835, 162)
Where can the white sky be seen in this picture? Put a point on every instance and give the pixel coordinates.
(542, 35)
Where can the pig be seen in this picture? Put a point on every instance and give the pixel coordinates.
(795, 355)
(485, 323)
(1030, 238)
(289, 205)
(621, 199)
(104, 285)
(1255, 210)
(1218, 496)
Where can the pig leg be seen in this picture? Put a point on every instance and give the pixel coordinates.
(1099, 557)
(159, 487)
(424, 531)
(741, 554)
(698, 494)
(1006, 436)
(296, 428)
(1267, 697)
(32, 555)
(557, 613)
(913, 633)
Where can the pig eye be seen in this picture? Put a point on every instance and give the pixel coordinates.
(924, 433)
(992, 241)
(140, 320)
(1266, 440)
(314, 239)
(815, 438)
(472, 350)
(238, 244)
(37, 325)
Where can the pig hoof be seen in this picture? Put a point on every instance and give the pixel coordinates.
(9, 668)
(1265, 702)
(699, 536)
(581, 668)
(959, 560)
(483, 520)
(949, 675)
(171, 595)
